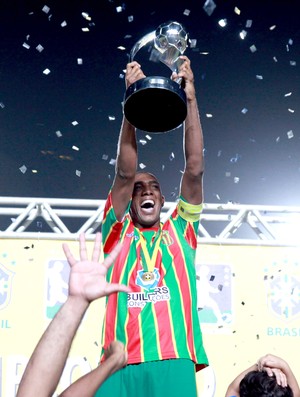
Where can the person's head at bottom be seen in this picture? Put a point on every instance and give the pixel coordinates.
(260, 384)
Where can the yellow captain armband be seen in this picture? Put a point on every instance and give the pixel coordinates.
(189, 212)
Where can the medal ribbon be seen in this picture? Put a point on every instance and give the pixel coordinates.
(150, 260)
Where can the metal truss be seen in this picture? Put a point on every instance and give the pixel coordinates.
(65, 219)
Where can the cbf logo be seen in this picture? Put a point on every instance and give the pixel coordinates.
(6, 278)
(57, 285)
(282, 282)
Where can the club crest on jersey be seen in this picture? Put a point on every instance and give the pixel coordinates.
(166, 238)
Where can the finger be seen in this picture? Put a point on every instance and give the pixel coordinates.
(82, 248)
(97, 248)
(108, 261)
(68, 254)
(114, 287)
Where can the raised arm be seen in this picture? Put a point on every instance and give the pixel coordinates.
(271, 362)
(234, 387)
(126, 163)
(191, 184)
(87, 283)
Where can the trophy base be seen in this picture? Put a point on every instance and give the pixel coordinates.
(155, 104)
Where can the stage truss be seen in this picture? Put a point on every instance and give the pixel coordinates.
(65, 219)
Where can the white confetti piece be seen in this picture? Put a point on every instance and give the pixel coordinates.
(39, 48)
(26, 45)
(236, 179)
(75, 148)
(111, 118)
(79, 61)
(217, 196)
(293, 63)
(172, 156)
(186, 12)
(78, 173)
(58, 134)
(290, 41)
(2, 106)
(74, 122)
(104, 156)
(142, 142)
(85, 29)
(130, 18)
(163, 167)
(122, 48)
(23, 169)
(248, 23)
(275, 59)
(288, 94)
(290, 134)
(112, 161)
(291, 110)
(222, 22)
(253, 48)
(119, 9)
(142, 166)
(34, 171)
(86, 16)
(193, 43)
(278, 139)
(237, 11)
(272, 27)
(46, 9)
(219, 153)
(243, 34)
(244, 110)
(209, 7)
(46, 71)
(227, 174)
(149, 137)
(209, 115)
(63, 24)
(259, 77)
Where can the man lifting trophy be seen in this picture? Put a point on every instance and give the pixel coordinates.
(156, 103)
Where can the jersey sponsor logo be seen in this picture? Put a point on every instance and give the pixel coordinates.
(139, 299)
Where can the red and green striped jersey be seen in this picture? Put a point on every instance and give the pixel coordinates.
(158, 319)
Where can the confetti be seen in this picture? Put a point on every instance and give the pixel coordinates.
(2, 106)
(75, 148)
(39, 48)
(243, 34)
(290, 134)
(104, 156)
(23, 169)
(293, 63)
(58, 134)
(186, 12)
(172, 156)
(222, 22)
(46, 9)
(46, 71)
(209, 7)
(149, 137)
(275, 59)
(122, 48)
(26, 45)
(244, 110)
(130, 18)
(79, 61)
(74, 122)
(193, 43)
(272, 27)
(236, 179)
(209, 115)
(253, 48)
(63, 24)
(85, 29)
(237, 10)
(142, 166)
(142, 141)
(291, 110)
(259, 77)
(119, 9)
(86, 16)
(248, 23)
(112, 161)
(111, 118)
(78, 173)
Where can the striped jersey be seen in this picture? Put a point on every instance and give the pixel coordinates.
(158, 319)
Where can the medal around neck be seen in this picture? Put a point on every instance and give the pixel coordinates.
(157, 104)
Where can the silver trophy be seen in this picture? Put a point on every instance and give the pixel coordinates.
(155, 103)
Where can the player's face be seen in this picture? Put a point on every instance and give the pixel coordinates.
(147, 201)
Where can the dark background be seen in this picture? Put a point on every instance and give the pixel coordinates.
(250, 159)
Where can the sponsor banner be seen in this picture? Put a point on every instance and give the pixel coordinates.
(248, 304)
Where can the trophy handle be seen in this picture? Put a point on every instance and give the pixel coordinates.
(138, 45)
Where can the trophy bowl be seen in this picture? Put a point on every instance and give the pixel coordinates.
(157, 104)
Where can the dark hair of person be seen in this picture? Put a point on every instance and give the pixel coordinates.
(260, 384)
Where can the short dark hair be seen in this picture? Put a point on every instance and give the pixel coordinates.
(260, 384)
